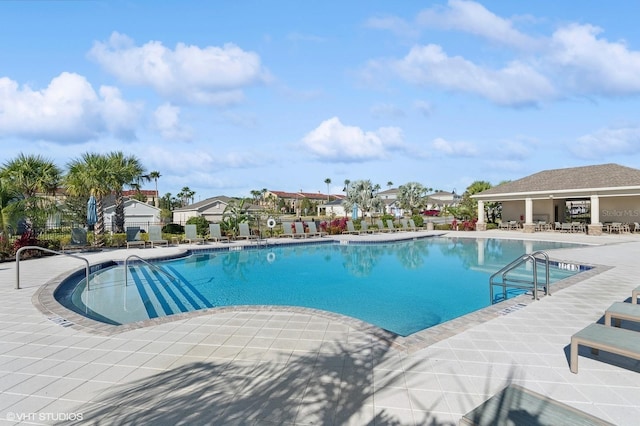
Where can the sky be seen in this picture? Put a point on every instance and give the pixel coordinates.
(227, 97)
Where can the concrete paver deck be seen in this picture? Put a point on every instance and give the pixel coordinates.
(279, 366)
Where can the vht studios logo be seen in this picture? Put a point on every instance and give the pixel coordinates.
(23, 417)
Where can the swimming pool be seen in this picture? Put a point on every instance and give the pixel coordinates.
(402, 286)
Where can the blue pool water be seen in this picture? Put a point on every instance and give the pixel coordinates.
(403, 287)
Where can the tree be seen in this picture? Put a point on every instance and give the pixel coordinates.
(362, 194)
(34, 176)
(389, 184)
(468, 208)
(412, 197)
(155, 175)
(124, 169)
(328, 182)
(90, 175)
(11, 204)
(186, 195)
(233, 214)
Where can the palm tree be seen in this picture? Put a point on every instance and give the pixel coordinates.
(362, 194)
(186, 195)
(33, 176)
(389, 184)
(11, 204)
(124, 169)
(155, 175)
(328, 182)
(90, 175)
(412, 196)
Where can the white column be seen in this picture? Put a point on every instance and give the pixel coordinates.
(528, 209)
(480, 211)
(595, 210)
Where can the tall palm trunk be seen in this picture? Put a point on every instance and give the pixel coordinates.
(119, 214)
(98, 230)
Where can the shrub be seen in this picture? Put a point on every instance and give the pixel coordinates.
(202, 224)
(173, 228)
(418, 220)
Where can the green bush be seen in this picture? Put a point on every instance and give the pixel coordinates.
(202, 224)
(173, 228)
(418, 220)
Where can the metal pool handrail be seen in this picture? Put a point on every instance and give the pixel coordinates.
(516, 263)
(48, 251)
(154, 267)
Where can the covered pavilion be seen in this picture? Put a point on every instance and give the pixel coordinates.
(599, 193)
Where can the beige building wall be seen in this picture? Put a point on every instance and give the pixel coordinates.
(620, 209)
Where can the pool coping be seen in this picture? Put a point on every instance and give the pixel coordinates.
(44, 300)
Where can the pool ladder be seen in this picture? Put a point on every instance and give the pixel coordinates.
(520, 283)
(150, 265)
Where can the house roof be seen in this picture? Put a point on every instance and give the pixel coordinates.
(603, 177)
(201, 205)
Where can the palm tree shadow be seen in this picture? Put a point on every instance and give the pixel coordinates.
(326, 388)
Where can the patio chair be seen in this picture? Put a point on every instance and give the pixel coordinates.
(609, 339)
(405, 225)
(517, 405)
(351, 229)
(621, 311)
(78, 239)
(155, 236)
(313, 230)
(412, 223)
(191, 234)
(381, 227)
(133, 237)
(364, 227)
(215, 234)
(245, 232)
(299, 228)
(286, 230)
(390, 226)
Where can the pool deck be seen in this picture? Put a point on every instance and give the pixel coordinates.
(268, 365)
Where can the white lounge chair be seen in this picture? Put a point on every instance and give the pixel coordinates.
(286, 230)
(609, 339)
(313, 230)
(413, 225)
(245, 233)
(381, 227)
(351, 229)
(299, 227)
(191, 234)
(390, 226)
(215, 233)
(155, 236)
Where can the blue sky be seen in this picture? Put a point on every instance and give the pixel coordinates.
(230, 96)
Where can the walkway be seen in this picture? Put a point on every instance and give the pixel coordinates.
(273, 366)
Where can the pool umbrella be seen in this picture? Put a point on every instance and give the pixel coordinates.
(92, 214)
(354, 212)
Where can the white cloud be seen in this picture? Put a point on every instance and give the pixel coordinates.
(394, 24)
(167, 121)
(454, 149)
(514, 85)
(607, 143)
(474, 18)
(332, 140)
(589, 64)
(212, 75)
(68, 110)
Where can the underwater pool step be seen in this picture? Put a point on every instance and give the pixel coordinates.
(162, 296)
